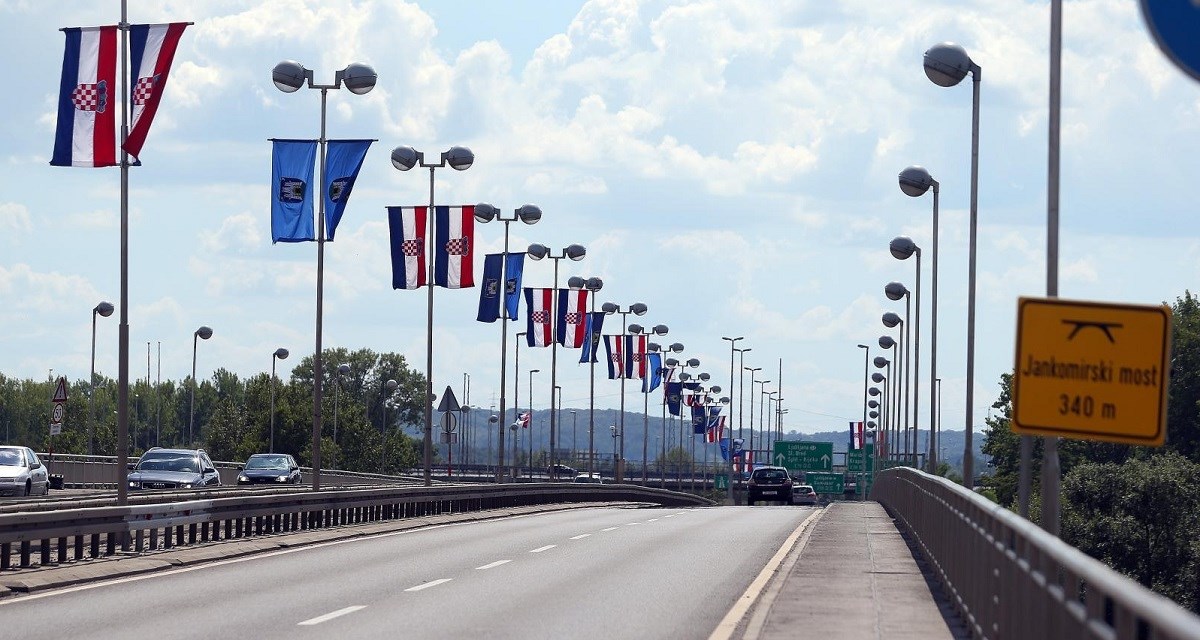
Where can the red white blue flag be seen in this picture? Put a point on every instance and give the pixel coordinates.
(524, 419)
(856, 436)
(538, 317)
(715, 430)
(637, 357)
(617, 350)
(453, 240)
(572, 317)
(151, 50)
(87, 123)
(407, 229)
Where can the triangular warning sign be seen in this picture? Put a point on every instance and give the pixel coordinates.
(60, 391)
(449, 402)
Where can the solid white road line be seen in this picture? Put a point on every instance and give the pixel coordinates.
(610, 529)
(432, 583)
(492, 565)
(580, 536)
(652, 520)
(331, 615)
(541, 549)
(632, 524)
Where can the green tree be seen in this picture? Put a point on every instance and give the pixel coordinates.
(1183, 406)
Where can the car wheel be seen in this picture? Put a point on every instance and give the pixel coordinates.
(28, 487)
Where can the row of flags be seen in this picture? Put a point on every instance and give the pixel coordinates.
(86, 131)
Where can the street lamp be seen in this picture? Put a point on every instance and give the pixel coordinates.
(575, 252)
(515, 436)
(574, 424)
(203, 333)
(891, 320)
(592, 285)
(459, 159)
(946, 64)
(528, 214)
(897, 347)
(104, 309)
(732, 352)
(280, 354)
(517, 391)
(289, 76)
(638, 309)
(902, 247)
(668, 363)
(914, 182)
(658, 330)
(866, 368)
(531, 372)
(881, 362)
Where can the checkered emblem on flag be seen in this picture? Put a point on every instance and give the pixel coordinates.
(144, 89)
(573, 318)
(91, 97)
(540, 317)
(413, 247)
(458, 246)
(637, 357)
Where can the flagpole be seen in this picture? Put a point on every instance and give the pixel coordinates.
(123, 331)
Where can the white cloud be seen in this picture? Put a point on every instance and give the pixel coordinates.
(14, 218)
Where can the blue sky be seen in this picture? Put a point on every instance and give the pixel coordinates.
(731, 164)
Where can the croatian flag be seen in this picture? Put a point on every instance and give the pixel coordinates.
(151, 50)
(539, 314)
(87, 122)
(407, 229)
(454, 231)
(572, 317)
(616, 347)
(856, 436)
(525, 419)
(716, 429)
(637, 357)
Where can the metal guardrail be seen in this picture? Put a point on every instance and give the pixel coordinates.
(65, 535)
(1010, 579)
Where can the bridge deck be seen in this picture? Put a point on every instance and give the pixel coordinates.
(853, 576)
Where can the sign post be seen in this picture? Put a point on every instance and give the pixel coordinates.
(1092, 371)
(803, 456)
(449, 407)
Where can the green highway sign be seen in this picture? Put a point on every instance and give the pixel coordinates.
(826, 482)
(720, 481)
(803, 456)
(861, 459)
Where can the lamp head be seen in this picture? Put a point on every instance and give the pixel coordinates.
(871, 424)
(535, 371)
(880, 362)
(343, 369)
(891, 319)
(946, 64)
(877, 377)
(675, 347)
(635, 329)
(485, 212)
(874, 404)
(204, 332)
(873, 414)
(895, 291)
(609, 308)
(671, 362)
(874, 391)
(660, 330)
(886, 342)
(493, 419)
(392, 385)
(638, 309)
(902, 247)
(685, 376)
(281, 353)
(863, 346)
(653, 347)
(693, 362)
(915, 181)
(724, 399)
(529, 213)
(537, 251)
(289, 76)
(576, 252)
(405, 158)
(575, 282)
(594, 284)
(359, 78)
(459, 158)
(704, 377)
(104, 308)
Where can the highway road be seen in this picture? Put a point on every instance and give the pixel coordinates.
(585, 573)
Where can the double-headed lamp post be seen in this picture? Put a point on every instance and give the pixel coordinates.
(637, 309)
(658, 330)
(103, 309)
(203, 333)
(914, 182)
(732, 352)
(899, 384)
(881, 362)
(289, 76)
(575, 253)
(280, 354)
(593, 285)
(528, 214)
(459, 159)
(946, 64)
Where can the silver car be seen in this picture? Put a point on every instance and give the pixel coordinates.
(21, 473)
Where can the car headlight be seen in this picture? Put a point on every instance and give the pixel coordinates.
(281, 478)
(186, 485)
(133, 485)
(242, 478)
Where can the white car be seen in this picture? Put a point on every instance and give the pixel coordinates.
(582, 479)
(21, 473)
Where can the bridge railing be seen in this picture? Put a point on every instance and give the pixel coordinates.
(1010, 579)
(31, 538)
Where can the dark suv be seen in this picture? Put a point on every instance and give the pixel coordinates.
(173, 469)
(769, 483)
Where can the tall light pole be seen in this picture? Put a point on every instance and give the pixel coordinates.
(755, 394)
(902, 247)
(887, 342)
(593, 285)
(654, 347)
(203, 333)
(866, 370)
(946, 64)
(289, 76)
(459, 159)
(575, 253)
(914, 182)
(517, 394)
(742, 388)
(528, 214)
(889, 413)
(280, 354)
(891, 320)
(657, 330)
(103, 309)
(732, 352)
(531, 372)
(637, 309)
(574, 424)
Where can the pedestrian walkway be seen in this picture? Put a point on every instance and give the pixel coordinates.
(853, 575)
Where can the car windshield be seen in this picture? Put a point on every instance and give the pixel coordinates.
(169, 462)
(11, 458)
(770, 474)
(268, 462)
(805, 490)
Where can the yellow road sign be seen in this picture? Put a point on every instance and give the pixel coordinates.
(1092, 371)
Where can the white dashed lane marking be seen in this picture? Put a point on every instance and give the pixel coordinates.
(492, 565)
(580, 536)
(331, 615)
(541, 549)
(432, 583)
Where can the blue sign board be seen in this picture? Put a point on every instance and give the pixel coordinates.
(1175, 25)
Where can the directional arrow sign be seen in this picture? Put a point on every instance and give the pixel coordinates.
(449, 402)
(804, 456)
(826, 482)
(861, 459)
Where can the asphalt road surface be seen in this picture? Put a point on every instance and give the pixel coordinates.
(607, 573)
